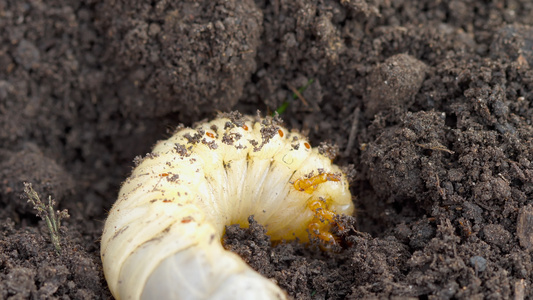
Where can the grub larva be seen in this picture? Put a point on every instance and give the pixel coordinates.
(162, 239)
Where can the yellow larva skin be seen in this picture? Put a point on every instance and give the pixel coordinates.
(162, 237)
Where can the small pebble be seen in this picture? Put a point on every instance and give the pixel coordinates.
(395, 82)
(479, 263)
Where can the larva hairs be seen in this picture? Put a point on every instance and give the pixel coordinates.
(162, 238)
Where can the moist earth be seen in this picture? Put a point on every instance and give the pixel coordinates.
(428, 103)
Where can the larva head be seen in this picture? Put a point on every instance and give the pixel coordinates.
(326, 187)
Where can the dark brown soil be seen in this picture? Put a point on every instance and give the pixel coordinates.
(430, 101)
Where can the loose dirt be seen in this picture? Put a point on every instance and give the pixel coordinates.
(429, 103)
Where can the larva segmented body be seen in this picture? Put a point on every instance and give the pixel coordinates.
(162, 237)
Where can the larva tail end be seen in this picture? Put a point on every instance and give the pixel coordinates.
(200, 273)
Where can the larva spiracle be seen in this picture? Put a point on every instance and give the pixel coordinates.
(162, 237)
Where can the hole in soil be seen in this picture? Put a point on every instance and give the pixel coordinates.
(451, 120)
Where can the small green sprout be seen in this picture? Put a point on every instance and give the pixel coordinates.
(297, 94)
(47, 213)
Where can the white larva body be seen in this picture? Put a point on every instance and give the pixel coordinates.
(162, 237)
